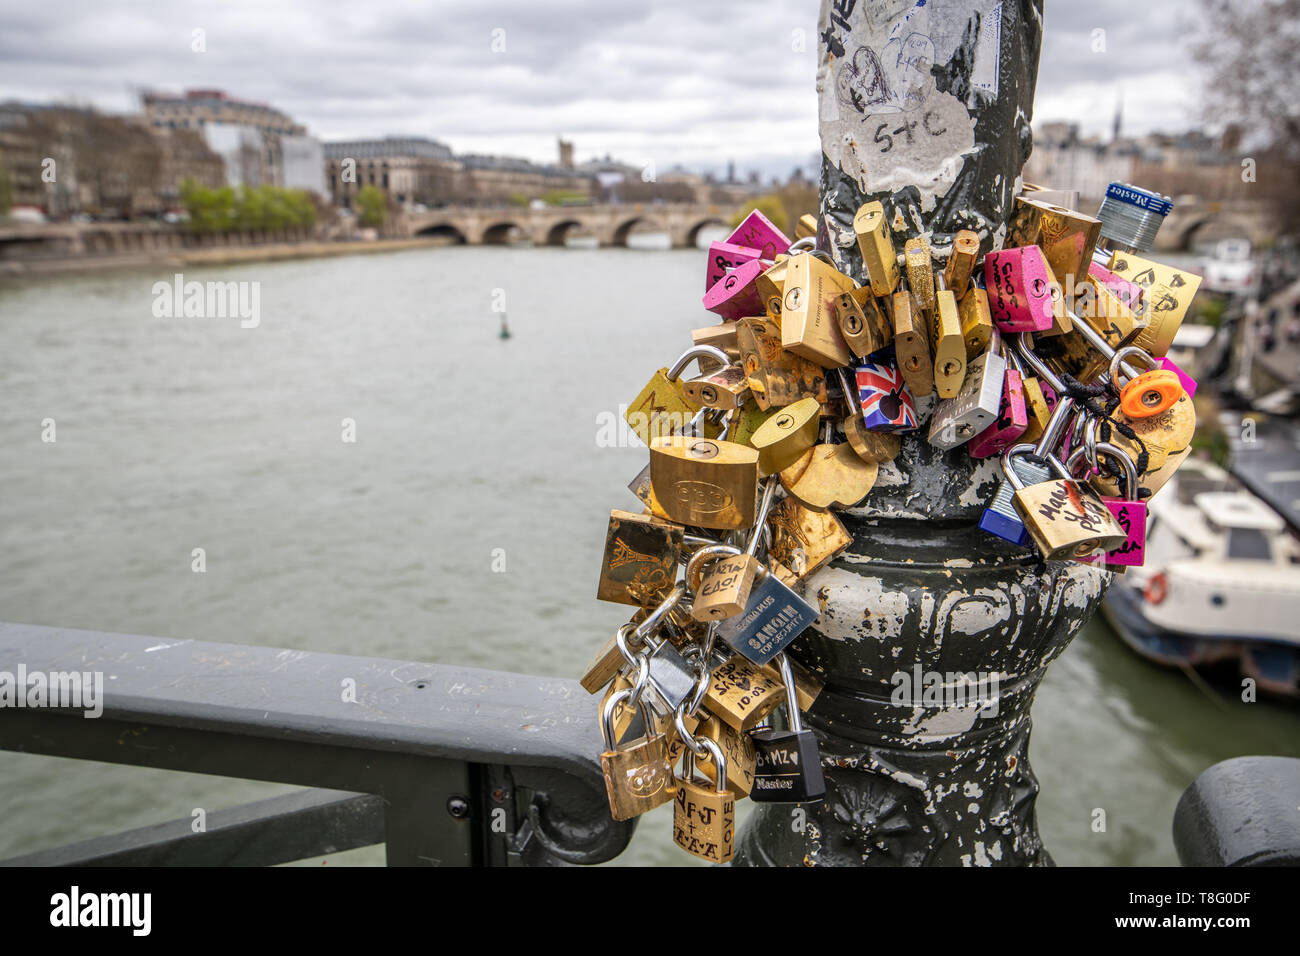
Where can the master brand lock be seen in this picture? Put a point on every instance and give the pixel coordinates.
(1001, 518)
(787, 763)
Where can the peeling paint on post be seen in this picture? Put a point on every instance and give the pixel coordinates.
(925, 106)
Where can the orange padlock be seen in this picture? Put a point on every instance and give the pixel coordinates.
(1151, 393)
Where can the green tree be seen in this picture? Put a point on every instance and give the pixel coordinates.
(770, 206)
(372, 205)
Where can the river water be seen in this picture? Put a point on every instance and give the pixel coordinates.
(174, 434)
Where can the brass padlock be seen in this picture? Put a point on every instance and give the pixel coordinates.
(871, 445)
(776, 377)
(785, 436)
(911, 345)
(605, 665)
(704, 482)
(1166, 295)
(965, 250)
(803, 540)
(976, 323)
(920, 273)
(807, 686)
(641, 487)
(1066, 236)
(875, 242)
(749, 420)
(721, 336)
(741, 694)
(808, 325)
(1106, 314)
(738, 748)
(726, 388)
(704, 815)
(949, 345)
(863, 322)
(722, 591)
(829, 476)
(640, 560)
(661, 407)
(806, 226)
(771, 289)
(637, 775)
(1165, 437)
(1064, 518)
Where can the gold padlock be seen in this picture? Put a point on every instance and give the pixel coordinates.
(1165, 436)
(1066, 236)
(1167, 294)
(776, 377)
(829, 476)
(640, 560)
(965, 250)
(738, 748)
(741, 694)
(920, 273)
(637, 774)
(874, 447)
(875, 242)
(1064, 518)
(641, 487)
(1036, 407)
(720, 336)
(722, 590)
(976, 322)
(949, 346)
(705, 482)
(803, 540)
(748, 421)
(911, 346)
(704, 815)
(784, 437)
(604, 667)
(863, 322)
(726, 388)
(808, 325)
(805, 228)
(1062, 324)
(1103, 310)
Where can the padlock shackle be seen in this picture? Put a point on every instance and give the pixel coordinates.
(719, 762)
(1055, 429)
(1126, 462)
(756, 535)
(696, 352)
(791, 699)
(1038, 365)
(711, 552)
(651, 623)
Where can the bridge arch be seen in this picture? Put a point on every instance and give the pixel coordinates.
(693, 233)
(624, 229)
(443, 230)
(499, 233)
(1211, 228)
(556, 234)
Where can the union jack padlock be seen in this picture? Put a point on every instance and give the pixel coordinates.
(1019, 289)
(887, 404)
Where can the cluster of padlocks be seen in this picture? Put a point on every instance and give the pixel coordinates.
(1048, 353)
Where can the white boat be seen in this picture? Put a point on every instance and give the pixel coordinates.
(1220, 588)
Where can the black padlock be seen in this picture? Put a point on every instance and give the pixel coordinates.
(788, 766)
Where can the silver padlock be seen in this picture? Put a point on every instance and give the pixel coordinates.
(959, 419)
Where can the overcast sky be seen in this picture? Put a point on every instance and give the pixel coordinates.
(670, 81)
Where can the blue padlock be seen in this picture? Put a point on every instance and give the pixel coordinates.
(1000, 518)
(773, 618)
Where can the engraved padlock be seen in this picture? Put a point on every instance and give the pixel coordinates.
(741, 693)
(947, 343)
(704, 814)
(961, 262)
(737, 747)
(829, 476)
(722, 590)
(725, 256)
(756, 231)
(637, 774)
(808, 324)
(725, 388)
(863, 322)
(776, 377)
(1166, 295)
(1001, 518)
(1066, 236)
(708, 483)
(735, 295)
(773, 618)
(911, 344)
(787, 766)
(803, 540)
(640, 559)
(920, 272)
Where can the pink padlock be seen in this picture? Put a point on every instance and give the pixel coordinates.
(1129, 513)
(735, 295)
(723, 257)
(757, 232)
(1018, 284)
(1127, 292)
(1011, 424)
(1188, 383)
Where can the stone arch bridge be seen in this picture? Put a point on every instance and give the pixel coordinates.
(1202, 219)
(609, 224)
